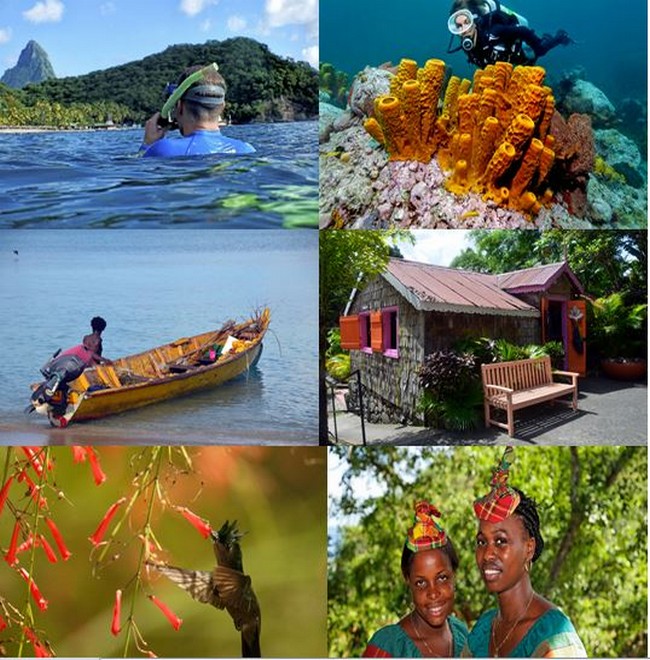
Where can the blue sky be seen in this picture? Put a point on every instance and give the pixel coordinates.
(86, 35)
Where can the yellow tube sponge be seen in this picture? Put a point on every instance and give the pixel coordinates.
(528, 167)
(373, 127)
(450, 104)
(430, 78)
(411, 103)
(407, 70)
(499, 163)
(388, 110)
(519, 132)
(490, 135)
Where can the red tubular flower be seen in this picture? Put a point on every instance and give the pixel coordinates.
(48, 549)
(26, 545)
(202, 526)
(4, 493)
(39, 650)
(10, 557)
(58, 539)
(98, 534)
(33, 458)
(3, 623)
(117, 610)
(171, 617)
(98, 473)
(78, 454)
(35, 591)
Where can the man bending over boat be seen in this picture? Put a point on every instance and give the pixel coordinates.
(195, 106)
(70, 364)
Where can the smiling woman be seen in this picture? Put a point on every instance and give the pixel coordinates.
(508, 542)
(429, 563)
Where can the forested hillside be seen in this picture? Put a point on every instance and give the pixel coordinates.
(261, 87)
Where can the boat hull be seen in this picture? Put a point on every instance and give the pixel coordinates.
(109, 402)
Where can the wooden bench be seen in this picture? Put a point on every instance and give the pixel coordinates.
(513, 385)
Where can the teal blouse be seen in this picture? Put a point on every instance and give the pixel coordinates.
(551, 636)
(392, 642)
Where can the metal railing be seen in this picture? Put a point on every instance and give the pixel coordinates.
(331, 384)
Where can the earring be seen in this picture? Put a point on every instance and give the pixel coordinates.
(527, 565)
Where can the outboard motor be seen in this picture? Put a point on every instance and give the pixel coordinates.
(58, 371)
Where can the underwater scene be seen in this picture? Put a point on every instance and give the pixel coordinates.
(471, 113)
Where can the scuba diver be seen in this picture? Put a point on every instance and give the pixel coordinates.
(195, 106)
(489, 32)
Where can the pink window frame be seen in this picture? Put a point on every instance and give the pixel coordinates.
(385, 325)
(364, 332)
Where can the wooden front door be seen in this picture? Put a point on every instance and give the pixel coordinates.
(576, 336)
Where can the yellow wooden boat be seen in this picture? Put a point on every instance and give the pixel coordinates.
(180, 367)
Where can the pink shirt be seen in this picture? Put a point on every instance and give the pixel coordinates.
(80, 351)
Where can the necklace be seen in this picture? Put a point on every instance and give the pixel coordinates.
(498, 647)
(430, 653)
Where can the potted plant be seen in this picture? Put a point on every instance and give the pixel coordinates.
(619, 333)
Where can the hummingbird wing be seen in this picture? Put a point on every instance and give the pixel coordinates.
(236, 592)
(197, 583)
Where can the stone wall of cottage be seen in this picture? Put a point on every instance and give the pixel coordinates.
(390, 385)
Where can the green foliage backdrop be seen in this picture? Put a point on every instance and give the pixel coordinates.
(260, 86)
(593, 507)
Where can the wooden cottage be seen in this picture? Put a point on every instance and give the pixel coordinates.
(412, 309)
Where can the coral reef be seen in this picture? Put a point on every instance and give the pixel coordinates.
(491, 135)
(362, 188)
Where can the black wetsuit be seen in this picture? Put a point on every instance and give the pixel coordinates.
(501, 39)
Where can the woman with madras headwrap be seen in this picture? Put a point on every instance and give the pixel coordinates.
(508, 542)
(429, 564)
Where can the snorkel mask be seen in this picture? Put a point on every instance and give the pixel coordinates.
(461, 28)
(210, 96)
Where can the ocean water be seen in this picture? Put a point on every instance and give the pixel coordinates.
(94, 179)
(611, 40)
(153, 287)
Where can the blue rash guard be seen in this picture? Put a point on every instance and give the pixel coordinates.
(197, 144)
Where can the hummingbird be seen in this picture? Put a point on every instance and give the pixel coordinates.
(225, 587)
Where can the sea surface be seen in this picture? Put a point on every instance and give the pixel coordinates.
(153, 287)
(81, 179)
(611, 40)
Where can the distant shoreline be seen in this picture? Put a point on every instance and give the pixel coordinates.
(57, 129)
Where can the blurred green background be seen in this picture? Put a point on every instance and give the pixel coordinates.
(278, 495)
(593, 508)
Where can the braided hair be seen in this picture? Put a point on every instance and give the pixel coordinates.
(527, 511)
(408, 554)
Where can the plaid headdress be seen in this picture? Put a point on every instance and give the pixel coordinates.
(426, 533)
(501, 501)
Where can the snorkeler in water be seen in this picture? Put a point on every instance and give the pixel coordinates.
(195, 106)
(489, 32)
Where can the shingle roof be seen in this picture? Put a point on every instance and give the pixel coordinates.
(436, 288)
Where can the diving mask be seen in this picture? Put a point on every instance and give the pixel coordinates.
(460, 22)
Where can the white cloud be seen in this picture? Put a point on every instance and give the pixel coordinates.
(236, 23)
(5, 35)
(311, 55)
(107, 8)
(436, 247)
(206, 25)
(48, 11)
(290, 12)
(194, 7)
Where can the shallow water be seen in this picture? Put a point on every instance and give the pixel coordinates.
(153, 287)
(94, 179)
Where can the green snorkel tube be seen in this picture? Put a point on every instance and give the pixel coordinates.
(166, 112)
